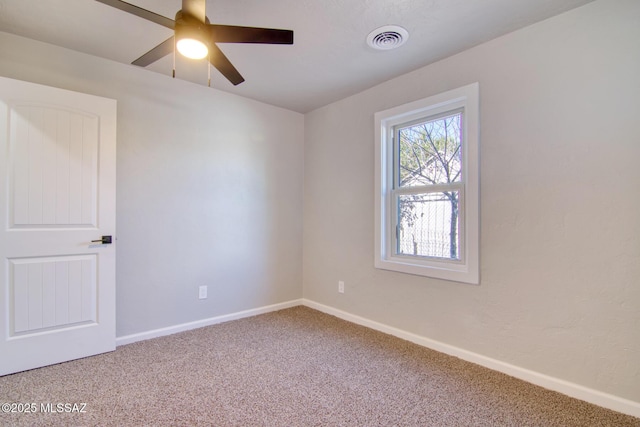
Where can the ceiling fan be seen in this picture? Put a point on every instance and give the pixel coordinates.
(196, 38)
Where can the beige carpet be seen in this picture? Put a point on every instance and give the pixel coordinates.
(295, 367)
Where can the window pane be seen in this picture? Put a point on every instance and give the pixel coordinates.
(429, 152)
(428, 225)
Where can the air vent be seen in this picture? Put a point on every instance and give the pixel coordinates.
(387, 37)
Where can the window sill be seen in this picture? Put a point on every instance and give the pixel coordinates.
(437, 270)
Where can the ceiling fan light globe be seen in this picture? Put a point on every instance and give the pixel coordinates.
(192, 48)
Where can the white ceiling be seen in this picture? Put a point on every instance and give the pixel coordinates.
(329, 59)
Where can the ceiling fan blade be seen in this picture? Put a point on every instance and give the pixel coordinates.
(236, 34)
(222, 63)
(158, 52)
(140, 12)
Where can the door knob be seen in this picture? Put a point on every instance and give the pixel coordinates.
(106, 240)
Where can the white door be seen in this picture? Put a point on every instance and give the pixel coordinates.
(57, 195)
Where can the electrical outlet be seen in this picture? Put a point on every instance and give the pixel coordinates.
(341, 287)
(202, 292)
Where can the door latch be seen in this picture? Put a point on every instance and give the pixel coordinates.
(106, 240)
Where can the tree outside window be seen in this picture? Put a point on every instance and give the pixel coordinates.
(427, 167)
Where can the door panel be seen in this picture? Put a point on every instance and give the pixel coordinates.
(53, 154)
(57, 177)
(53, 292)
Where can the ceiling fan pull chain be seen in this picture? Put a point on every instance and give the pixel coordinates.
(209, 71)
(174, 57)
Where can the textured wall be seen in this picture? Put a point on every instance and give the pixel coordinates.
(560, 236)
(209, 189)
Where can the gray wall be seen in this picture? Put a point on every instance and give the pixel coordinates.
(560, 202)
(209, 189)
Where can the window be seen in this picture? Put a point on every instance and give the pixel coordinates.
(427, 186)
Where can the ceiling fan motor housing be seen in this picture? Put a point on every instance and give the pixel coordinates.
(189, 27)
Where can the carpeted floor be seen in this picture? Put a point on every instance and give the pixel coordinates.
(295, 367)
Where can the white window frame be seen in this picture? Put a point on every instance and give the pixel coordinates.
(466, 269)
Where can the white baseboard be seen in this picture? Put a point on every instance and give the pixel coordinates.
(577, 391)
(128, 339)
